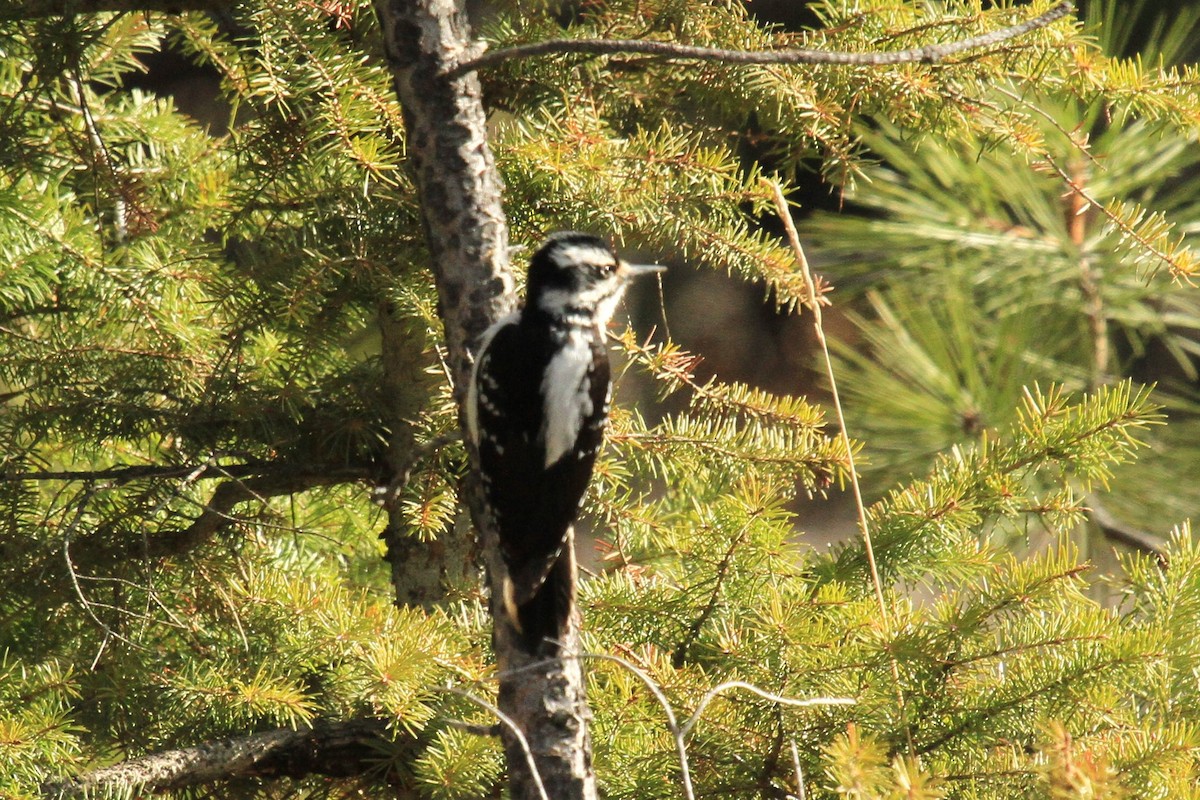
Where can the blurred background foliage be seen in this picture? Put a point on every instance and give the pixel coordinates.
(978, 270)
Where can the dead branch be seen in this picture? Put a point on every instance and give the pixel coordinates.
(928, 54)
(218, 511)
(340, 749)
(121, 474)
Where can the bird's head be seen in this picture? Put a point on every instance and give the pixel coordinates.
(576, 274)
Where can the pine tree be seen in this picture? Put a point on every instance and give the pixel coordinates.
(217, 341)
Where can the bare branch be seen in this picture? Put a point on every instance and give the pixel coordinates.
(32, 9)
(801, 793)
(679, 732)
(342, 748)
(125, 473)
(218, 511)
(685, 772)
(928, 54)
(712, 694)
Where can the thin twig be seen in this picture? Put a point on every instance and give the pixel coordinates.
(685, 772)
(927, 54)
(679, 732)
(712, 694)
(1127, 230)
(1078, 140)
(507, 722)
(693, 631)
(814, 304)
(87, 605)
(151, 594)
(801, 793)
(101, 158)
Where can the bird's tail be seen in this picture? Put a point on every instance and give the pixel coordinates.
(540, 599)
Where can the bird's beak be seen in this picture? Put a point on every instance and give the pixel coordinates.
(636, 270)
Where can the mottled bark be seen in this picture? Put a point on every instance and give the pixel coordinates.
(467, 239)
(446, 139)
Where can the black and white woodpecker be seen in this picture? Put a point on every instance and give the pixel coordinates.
(536, 410)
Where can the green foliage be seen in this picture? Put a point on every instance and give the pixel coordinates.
(191, 312)
(1009, 644)
(458, 765)
(37, 734)
(1052, 446)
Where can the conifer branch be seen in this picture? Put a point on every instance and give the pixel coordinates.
(244, 482)
(693, 631)
(927, 54)
(676, 368)
(122, 474)
(1003, 704)
(342, 748)
(1148, 231)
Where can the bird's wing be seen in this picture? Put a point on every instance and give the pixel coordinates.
(534, 504)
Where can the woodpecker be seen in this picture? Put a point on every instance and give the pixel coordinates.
(536, 410)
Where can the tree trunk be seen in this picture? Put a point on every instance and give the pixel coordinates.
(467, 233)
